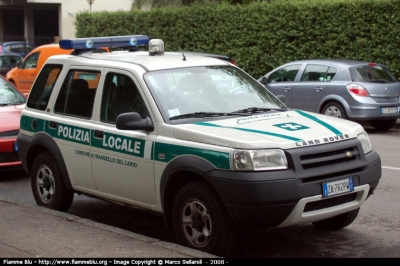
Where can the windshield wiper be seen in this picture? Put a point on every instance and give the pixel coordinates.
(204, 114)
(253, 110)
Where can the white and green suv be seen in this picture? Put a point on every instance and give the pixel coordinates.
(193, 138)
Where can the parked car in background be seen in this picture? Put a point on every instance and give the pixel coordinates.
(8, 61)
(11, 104)
(353, 90)
(25, 73)
(18, 47)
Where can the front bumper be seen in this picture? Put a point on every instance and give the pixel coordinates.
(261, 200)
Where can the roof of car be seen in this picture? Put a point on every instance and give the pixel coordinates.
(142, 58)
(336, 61)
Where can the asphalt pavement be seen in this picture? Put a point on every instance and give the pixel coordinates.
(38, 232)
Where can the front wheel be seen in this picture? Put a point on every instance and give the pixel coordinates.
(201, 221)
(334, 109)
(47, 184)
(337, 222)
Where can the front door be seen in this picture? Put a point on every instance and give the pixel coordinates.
(121, 159)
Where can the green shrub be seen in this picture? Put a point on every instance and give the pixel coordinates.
(262, 35)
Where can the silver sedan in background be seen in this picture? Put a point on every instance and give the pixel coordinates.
(347, 89)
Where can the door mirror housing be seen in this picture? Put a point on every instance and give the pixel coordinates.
(133, 121)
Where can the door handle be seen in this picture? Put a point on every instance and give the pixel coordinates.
(318, 89)
(99, 134)
(286, 89)
(53, 124)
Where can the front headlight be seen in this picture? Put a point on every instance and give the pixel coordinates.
(365, 142)
(257, 160)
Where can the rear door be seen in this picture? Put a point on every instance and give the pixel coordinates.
(307, 93)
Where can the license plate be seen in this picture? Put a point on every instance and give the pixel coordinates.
(337, 187)
(389, 110)
(15, 146)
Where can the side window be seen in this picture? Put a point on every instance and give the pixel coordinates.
(315, 73)
(120, 95)
(43, 86)
(330, 74)
(285, 74)
(31, 61)
(76, 97)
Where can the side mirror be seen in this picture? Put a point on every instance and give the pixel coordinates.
(264, 80)
(26, 94)
(133, 121)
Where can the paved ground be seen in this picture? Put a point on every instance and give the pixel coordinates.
(37, 232)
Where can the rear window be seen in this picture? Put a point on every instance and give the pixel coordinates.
(372, 73)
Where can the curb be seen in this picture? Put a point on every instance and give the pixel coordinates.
(73, 218)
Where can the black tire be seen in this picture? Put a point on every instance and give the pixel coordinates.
(334, 109)
(48, 187)
(383, 125)
(210, 228)
(337, 222)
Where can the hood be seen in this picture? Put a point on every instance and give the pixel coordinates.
(10, 117)
(284, 130)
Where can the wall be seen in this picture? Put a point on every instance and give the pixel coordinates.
(69, 9)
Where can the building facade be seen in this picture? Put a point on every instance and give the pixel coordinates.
(45, 21)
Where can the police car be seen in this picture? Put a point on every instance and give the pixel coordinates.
(191, 137)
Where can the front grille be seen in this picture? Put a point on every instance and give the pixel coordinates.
(9, 157)
(328, 158)
(323, 163)
(9, 134)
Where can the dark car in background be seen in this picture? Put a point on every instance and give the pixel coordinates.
(353, 90)
(18, 47)
(8, 61)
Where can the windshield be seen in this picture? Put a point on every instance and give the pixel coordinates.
(9, 95)
(215, 90)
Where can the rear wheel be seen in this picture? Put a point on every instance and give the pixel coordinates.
(334, 109)
(201, 221)
(337, 222)
(48, 187)
(383, 125)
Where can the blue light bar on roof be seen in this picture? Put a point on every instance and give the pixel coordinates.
(98, 42)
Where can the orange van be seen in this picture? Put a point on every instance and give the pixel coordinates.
(25, 73)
